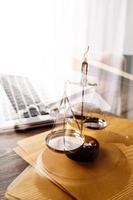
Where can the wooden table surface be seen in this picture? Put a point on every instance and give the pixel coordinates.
(11, 165)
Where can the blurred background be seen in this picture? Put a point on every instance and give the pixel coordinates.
(45, 39)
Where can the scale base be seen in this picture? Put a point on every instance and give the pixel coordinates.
(87, 153)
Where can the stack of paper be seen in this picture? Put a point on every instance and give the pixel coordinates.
(53, 176)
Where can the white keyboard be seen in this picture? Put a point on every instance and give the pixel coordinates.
(21, 106)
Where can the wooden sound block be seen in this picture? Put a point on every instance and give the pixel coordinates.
(109, 161)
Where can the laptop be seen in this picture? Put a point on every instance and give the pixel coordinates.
(23, 104)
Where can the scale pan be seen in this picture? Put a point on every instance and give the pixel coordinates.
(64, 141)
(95, 123)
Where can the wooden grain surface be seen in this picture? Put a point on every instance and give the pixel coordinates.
(113, 176)
(11, 165)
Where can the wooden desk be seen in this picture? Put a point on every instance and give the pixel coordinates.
(11, 165)
(121, 101)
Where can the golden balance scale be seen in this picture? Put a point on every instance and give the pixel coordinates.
(74, 161)
(71, 141)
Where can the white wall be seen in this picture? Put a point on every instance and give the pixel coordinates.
(128, 39)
